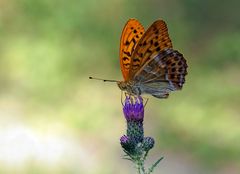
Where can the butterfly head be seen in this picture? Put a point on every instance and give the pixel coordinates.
(122, 85)
(130, 87)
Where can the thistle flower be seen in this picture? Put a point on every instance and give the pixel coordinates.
(134, 144)
(127, 144)
(133, 109)
(148, 143)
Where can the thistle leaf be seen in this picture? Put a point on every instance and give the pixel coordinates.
(128, 159)
(150, 170)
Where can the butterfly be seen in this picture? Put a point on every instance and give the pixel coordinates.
(149, 64)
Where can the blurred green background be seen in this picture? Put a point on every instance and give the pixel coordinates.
(53, 119)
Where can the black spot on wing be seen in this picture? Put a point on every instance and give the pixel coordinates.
(144, 43)
(127, 53)
(136, 60)
(125, 58)
(134, 41)
(158, 49)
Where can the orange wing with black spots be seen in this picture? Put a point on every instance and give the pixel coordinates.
(131, 34)
(154, 40)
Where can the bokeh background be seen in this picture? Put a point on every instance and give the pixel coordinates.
(53, 119)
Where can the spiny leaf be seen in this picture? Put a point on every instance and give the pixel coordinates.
(128, 159)
(127, 153)
(145, 155)
(150, 170)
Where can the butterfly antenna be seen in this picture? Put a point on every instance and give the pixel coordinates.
(104, 80)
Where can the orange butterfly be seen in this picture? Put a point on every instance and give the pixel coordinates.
(148, 62)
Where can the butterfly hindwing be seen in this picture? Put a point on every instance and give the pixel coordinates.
(131, 34)
(163, 73)
(154, 40)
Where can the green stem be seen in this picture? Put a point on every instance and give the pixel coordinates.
(140, 166)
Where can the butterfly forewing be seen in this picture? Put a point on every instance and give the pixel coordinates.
(154, 40)
(131, 34)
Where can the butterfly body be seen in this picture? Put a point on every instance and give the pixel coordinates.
(138, 89)
(148, 62)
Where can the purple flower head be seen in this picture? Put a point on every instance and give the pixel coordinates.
(124, 139)
(127, 144)
(133, 108)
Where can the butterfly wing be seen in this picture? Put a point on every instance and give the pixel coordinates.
(154, 40)
(131, 34)
(163, 73)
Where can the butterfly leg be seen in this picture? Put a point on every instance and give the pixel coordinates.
(126, 96)
(122, 98)
(146, 102)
